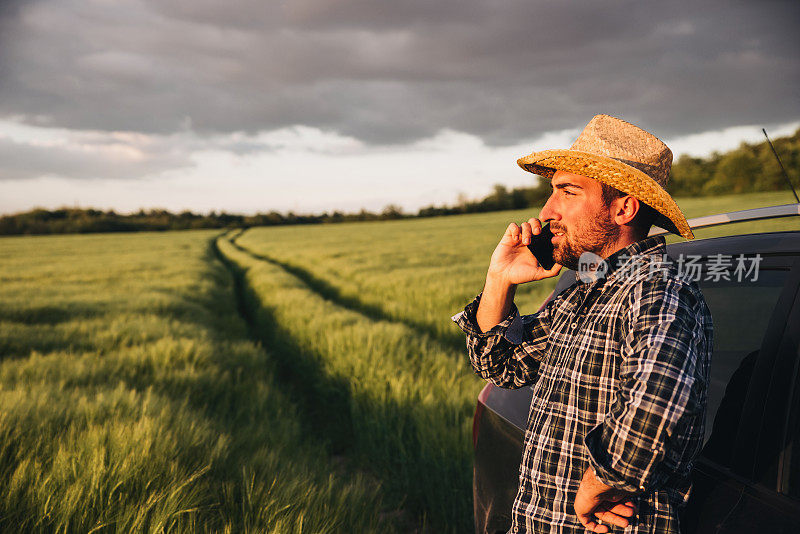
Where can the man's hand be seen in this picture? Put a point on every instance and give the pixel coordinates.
(598, 506)
(512, 263)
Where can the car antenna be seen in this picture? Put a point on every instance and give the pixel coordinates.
(781, 164)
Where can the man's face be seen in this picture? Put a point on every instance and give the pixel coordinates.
(578, 217)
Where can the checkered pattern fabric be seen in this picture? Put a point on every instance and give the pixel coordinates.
(619, 367)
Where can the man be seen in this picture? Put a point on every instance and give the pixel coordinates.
(619, 361)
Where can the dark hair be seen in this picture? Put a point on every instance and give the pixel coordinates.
(643, 220)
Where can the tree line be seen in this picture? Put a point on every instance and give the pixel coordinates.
(748, 168)
(79, 220)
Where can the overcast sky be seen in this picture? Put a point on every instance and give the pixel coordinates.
(316, 105)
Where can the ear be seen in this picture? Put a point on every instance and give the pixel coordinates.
(624, 209)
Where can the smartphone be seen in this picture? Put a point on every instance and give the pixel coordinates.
(542, 247)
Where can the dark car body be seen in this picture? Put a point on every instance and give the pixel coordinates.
(748, 476)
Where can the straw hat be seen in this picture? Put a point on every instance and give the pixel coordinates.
(623, 156)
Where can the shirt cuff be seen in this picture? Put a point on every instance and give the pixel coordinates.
(511, 327)
(601, 462)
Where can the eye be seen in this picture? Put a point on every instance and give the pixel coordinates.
(568, 193)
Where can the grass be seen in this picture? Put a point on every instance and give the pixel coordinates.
(285, 379)
(133, 400)
(421, 271)
(395, 400)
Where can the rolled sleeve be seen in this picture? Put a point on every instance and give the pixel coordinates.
(510, 326)
(654, 428)
(508, 354)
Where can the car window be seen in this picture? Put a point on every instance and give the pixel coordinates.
(741, 312)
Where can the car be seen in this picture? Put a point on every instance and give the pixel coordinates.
(747, 477)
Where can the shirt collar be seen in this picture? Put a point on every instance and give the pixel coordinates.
(607, 268)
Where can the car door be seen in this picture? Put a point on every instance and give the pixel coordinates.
(739, 481)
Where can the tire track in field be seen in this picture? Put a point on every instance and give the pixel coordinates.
(338, 428)
(410, 464)
(333, 294)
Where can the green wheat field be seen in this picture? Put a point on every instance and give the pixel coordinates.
(284, 379)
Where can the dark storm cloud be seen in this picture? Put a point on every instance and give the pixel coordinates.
(393, 71)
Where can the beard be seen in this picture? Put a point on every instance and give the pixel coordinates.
(593, 234)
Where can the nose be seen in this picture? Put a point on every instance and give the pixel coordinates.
(549, 211)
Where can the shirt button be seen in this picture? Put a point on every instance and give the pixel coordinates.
(573, 325)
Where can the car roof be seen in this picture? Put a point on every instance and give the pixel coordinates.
(779, 243)
(766, 243)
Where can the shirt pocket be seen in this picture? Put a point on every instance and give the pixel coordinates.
(595, 379)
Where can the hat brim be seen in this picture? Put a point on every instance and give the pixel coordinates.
(617, 174)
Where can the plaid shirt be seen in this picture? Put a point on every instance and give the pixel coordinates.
(619, 367)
